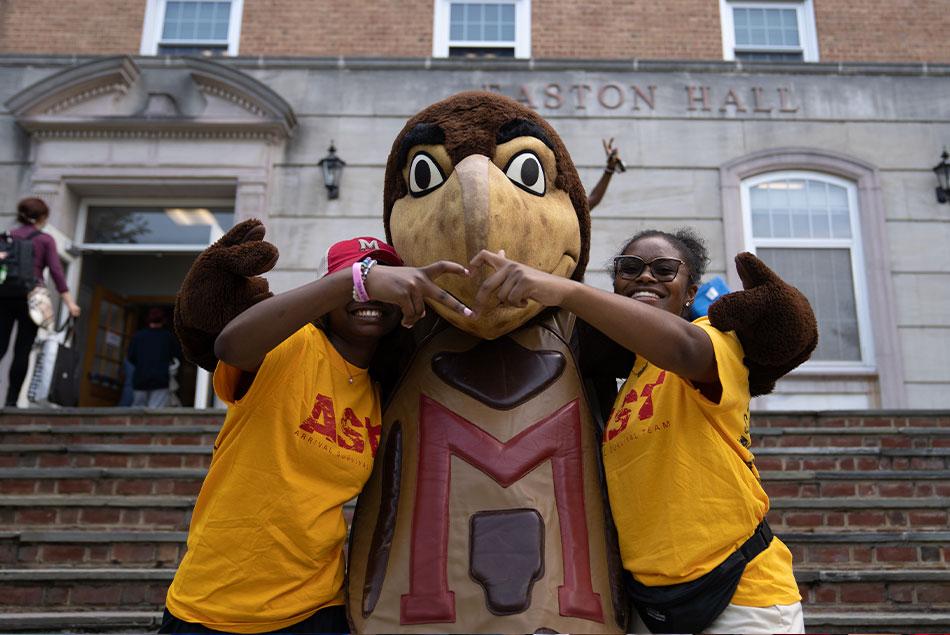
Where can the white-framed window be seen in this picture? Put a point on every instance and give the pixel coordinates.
(806, 227)
(779, 31)
(192, 27)
(482, 28)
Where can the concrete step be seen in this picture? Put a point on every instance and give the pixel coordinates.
(103, 455)
(76, 589)
(101, 481)
(855, 550)
(875, 588)
(863, 514)
(851, 483)
(894, 437)
(864, 621)
(803, 458)
(146, 434)
(107, 512)
(867, 419)
(93, 549)
(81, 621)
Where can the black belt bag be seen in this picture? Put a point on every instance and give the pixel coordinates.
(690, 607)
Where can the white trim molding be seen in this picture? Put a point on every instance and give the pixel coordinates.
(877, 285)
(807, 32)
(441, 25)
(155, 20)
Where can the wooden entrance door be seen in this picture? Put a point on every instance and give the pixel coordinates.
(111, 327)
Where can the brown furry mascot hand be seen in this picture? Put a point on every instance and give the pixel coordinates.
(772, 319)
(223, 281)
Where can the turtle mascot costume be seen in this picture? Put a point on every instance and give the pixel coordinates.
(485, 511)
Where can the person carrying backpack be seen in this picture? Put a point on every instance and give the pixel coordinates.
(32, 214)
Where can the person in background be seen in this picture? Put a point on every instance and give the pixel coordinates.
(614, 165)
(32, 215)
(151, 352)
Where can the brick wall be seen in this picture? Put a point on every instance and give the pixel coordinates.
(672, 29)
(82, 27)
(385, 28)
(848, 31)
(883, 30)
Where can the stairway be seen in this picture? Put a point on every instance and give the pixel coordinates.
(95, 505)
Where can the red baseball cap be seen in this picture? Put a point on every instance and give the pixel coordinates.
(346, 252)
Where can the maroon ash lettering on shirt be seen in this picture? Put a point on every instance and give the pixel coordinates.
(622, 417)
(322, 420)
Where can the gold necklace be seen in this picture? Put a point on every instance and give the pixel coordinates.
(346, 367)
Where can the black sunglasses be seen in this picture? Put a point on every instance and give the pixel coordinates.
(630, 267)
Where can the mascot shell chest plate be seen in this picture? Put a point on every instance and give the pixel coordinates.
(485, 512)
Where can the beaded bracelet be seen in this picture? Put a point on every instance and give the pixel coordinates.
(359, 288)
(360, 271)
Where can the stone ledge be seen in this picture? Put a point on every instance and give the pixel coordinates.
(855, 430)
(852, 475)
(100, 536)
(103, 448)
(872, 575)
(858, 503)
(78, 500)
(82, 428)
(58, 575)
(84, 619)
(847, 535)
(101, 472)
(869, 618)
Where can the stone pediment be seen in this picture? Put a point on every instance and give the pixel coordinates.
(117, 96)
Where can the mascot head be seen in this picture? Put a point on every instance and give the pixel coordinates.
(480, 171)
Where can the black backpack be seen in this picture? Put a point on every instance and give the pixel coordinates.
(16, 257)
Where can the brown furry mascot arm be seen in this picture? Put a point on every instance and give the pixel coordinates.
(772, 319)
(223, 281)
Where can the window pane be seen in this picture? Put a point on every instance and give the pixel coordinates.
(482, 22)
(800, 208)
(765, 28)
(825, 277)
(196, 20)
(157, 225)
(457, 22)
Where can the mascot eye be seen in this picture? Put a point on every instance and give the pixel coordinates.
(526, 172)
(424, 175)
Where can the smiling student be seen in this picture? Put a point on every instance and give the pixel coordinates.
(265, 546)
(684, 491)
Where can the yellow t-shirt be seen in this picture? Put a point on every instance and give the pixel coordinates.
(265, 548)
(684, 491)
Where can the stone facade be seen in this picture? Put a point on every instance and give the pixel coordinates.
(689, 134)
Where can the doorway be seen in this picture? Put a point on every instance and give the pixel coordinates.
(117, 291)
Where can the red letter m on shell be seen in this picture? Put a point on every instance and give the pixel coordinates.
(443, 433)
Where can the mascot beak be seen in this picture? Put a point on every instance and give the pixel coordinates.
(478, 207)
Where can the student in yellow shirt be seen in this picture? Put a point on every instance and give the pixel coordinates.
(684, 491)
(265, 546)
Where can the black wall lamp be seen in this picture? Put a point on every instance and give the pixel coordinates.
(942, 170)
(332, 171)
